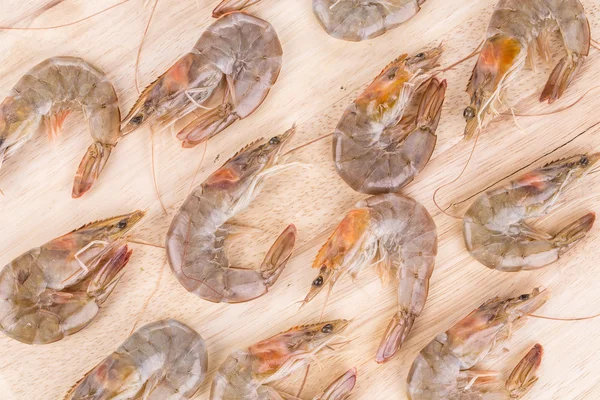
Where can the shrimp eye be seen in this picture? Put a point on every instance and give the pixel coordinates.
(469, 113)
(274, 140)
(327, 328)
(420, 55)
(122, 224)
(584, 161)
(137, 120)
(318, 282)
(524, 297)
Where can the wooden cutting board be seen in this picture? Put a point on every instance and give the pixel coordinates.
(320, 77)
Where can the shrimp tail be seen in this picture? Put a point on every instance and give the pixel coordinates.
(524, 375)
(395, 335)
(105, 280)
(278, 255)
(575, 231)
(561, 77)
(430, 108)
(91, 165)
(207, 125)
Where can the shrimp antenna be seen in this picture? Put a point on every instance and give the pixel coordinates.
(143, 310)
(143, 242)
(153, 168)
(564, 319)
(307, 144)
(139, 52)
(595, 44)
(10, 28)
(457, 178)
(325, 303)
(306, 371)
(198, 168)
(451, 66)
(558, 110)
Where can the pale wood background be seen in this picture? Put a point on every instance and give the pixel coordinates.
(320, 77)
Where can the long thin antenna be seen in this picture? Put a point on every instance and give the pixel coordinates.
(564, 319)
(307, 144)
(139, 53)
(143, 310)
(10, 28)
(153, 161)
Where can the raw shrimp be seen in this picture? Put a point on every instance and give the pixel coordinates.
(227, 6)
(396, 234)
(238, 56)
(340, 389)
(162, 360)
(386, 137)
(445, 368)
(244, 375)
(494, 227)
(357, 20)
(56, 290)
(196, 239)
(516, 28)
(46, 95)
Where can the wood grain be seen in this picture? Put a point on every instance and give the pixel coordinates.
(320, 77)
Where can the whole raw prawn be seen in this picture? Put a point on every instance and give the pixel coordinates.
(386, 137)
(517, 27)
(56, 290)
(244, 375)
(46, 95)
(238, 57)
(495, 229)
(446, 369)
(196, 239)
(396, 234)
(357, 20)
(162, 360)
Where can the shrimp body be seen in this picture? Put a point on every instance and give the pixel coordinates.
(396, 234)
(196, 239)
(244, 375)
(387, 135)
(357, 20)
(56, 289)
(516, 28)
(444, 369)
(495, 229)
(162, 360)
(44, 97)
(236, 61)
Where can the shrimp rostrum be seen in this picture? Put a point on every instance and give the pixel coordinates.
(357, 20)
(196, 238)
(245, 374)
(162, 360)
(398, 236)
(56, 290)
(387, 135)
(447, 368)
(516, 28)
(236, 61)
(495, 227)
(46, 95)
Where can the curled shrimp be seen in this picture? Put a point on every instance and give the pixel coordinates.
(245, 374)
(494, 227)
(517, 27)
(446, 369)
(46, 95)
(162, 360)
(227, 6)
(237, 57)
(357, 20)
(195, 240)
(396, 234)
(387, 135)
(56, 290)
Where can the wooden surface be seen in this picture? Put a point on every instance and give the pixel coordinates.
(320, 77)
